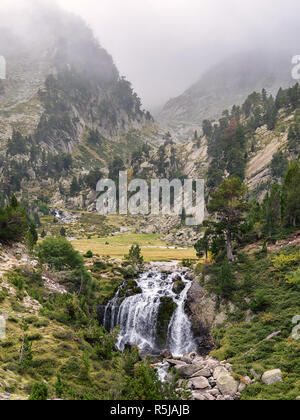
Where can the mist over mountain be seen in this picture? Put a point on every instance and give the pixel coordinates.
(61, 81)
(228, 84)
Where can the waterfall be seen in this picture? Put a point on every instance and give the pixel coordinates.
(137, 315)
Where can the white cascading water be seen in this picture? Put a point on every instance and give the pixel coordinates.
(137, 315)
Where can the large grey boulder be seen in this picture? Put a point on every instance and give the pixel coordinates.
(200, 383)
(203, 372)
(187, 371)
(218, 370)
(272, 377)
(227, 384)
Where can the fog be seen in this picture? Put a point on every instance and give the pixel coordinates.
(163, 46)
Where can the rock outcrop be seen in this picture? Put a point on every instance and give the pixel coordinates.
(204, 314)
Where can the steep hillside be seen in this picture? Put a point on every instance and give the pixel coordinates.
(225, 85)
(59, 70)
(64, 108)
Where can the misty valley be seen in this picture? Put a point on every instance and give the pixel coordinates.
(149, 246)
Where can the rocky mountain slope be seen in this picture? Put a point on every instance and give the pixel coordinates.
(225, 85)
(60, 78)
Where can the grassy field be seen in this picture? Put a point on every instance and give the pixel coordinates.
(153, 249)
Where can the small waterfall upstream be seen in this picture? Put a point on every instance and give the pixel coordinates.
(137, 315)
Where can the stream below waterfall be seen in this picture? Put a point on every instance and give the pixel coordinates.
(137, 316)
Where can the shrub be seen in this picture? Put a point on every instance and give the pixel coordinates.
(39, 392)
(135, 256)
(89, 254)
(226, 281)
(59, 254)
(259, 303)
(35, 337)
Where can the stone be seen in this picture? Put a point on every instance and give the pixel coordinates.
(214, 392)
(200, 383)
(203, 372)
(254, 374)
(242, 387)
(228, 366)
(246, 380)
(198, 361)
(198, 396)
(217, 372)
(212, 364)
(298, 398)
(186, 371)
(209, 397)
(174, 362)
(272, 377)
(186, 360)
(227, 384)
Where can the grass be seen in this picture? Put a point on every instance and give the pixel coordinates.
(153, 248)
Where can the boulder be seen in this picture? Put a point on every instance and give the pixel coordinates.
(189, 358)
(198, 396)
(174, 362)
(272, 377)
(203, 372)
(242, 387)
(226, 384)
(187, 371)
(198, 361)
(200, 383)
(217, 372)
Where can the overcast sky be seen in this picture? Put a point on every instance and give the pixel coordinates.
(163, 46)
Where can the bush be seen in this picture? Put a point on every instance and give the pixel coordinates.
(89, 254)
(259, 303)
(35, 337)
(13, 222)
(59, 254)
(39, 392)
(135, 256)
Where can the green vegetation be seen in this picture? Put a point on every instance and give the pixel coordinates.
(14, 225)
(59, 254)
(263, 288)
(39, 392)
(135, 256)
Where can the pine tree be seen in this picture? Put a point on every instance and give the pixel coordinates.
(228, 205)
(75, 187)
(63, 232)
(291, 195)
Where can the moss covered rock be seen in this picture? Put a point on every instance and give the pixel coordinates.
(165, 312)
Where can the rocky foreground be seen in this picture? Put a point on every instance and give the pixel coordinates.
(209, 379)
